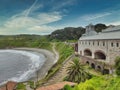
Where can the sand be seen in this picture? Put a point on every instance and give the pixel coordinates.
(51, 59)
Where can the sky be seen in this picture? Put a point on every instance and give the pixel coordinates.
(44, 16)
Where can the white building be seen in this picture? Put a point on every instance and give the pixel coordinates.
(104, 47)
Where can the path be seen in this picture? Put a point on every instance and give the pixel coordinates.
(61, 73)
(55, 52)
(28, 87)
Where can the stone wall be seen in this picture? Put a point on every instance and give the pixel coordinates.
(110, 48)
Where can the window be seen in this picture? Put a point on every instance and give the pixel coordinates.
(98, 43)
(112, 44)
(83, 42)
(93, 42)
(117, 44)
(103, 43)
(89, 43)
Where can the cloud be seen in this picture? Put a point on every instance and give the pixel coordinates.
(62, 4)
(29, 21)
(30, 9)
(44, 29)
(114, 23)
(46, 18)
(20, 21)
(25, 23)
(95, 16)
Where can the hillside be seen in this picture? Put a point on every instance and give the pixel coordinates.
(98, 83)
(73, 33)
(68, 33)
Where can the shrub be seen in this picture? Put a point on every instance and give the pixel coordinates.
(20, 86)
(117, 65)
(67, 87)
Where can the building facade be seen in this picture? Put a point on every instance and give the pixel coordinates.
(99, 50)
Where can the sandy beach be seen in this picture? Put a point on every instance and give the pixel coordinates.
(51, 59)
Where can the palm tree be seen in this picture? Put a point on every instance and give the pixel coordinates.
(76, 72)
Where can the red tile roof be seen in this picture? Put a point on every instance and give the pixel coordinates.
(56, 86)
(10, 86)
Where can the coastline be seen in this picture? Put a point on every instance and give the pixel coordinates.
(51, 59)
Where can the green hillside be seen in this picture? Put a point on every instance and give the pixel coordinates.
(98, 83)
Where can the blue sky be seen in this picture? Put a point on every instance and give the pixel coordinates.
(44, 16)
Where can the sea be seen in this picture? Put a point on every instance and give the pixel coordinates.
(19, 66)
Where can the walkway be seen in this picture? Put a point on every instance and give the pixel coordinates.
(55, 52)
(56, 55)
(60, 74)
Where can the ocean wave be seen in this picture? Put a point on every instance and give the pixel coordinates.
(36, 63)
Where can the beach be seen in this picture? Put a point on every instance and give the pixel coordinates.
(51, 59)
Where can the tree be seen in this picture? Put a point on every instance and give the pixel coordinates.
(76, 72)
(117, 65)
(99, 27)
(68, 33)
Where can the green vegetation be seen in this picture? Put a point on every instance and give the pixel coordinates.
(32, 41)
(64, 52)
(20, 86)
(99, 27)
(36, 41)
(99, 83)
(76, 72)
(67, 87)
(72, 33)
(117, 65)
(68, 33)
(31, 83)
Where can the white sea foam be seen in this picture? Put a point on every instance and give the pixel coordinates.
(36, 62)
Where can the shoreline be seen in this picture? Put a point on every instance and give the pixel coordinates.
(51, 59)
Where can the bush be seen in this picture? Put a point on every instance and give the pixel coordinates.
(20, 86)
(31, 83)
(117, 65)
(67, 87)
(99, 83)
(64, 52)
